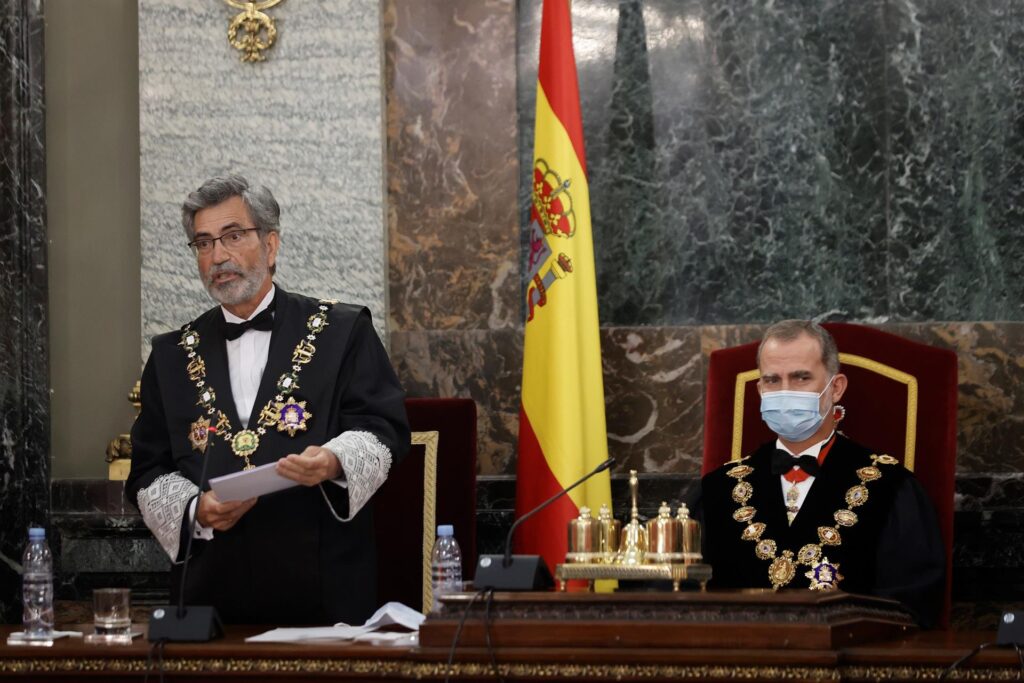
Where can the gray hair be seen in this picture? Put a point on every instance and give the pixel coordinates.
(265, 212)
(788, 330)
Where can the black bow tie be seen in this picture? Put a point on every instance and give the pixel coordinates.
(264, 321)
(783, 462)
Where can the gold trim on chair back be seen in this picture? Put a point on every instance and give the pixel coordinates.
(910, 439)
(429, 441)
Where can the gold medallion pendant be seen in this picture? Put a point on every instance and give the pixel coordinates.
(244, 444)
(825, 576)
(199, 434)
(782, 570)
(291, 416)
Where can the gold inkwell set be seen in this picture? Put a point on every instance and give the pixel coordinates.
(664, 548)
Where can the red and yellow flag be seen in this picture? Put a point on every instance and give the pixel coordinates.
(561, 420)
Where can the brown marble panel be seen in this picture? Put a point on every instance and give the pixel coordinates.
(452, 164)
(714, 337)
(654, 393)
(485, 365)
(991, 404)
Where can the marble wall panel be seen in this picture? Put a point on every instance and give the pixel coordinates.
(307, 123)
(956, 159)
(485, 365)
(654, 398)
(990, 408)
(653, 391)
(452, 166)
(750, 162)
(24, 347)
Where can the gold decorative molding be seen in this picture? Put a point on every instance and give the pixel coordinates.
(910, 438)
(253, 24)
(429, 441)
(737, 410)
(119, 450)
(396, 668)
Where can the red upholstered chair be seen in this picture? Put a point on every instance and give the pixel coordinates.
(901, 400)
(434, 484)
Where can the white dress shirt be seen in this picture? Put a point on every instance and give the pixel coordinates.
(247, 358)
(804, 486)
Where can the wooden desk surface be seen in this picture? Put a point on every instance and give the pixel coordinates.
(918, 657)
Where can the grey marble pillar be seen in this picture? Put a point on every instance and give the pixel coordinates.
(306, 123)
(24, 370)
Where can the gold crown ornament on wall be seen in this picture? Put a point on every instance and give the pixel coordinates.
(252, 32)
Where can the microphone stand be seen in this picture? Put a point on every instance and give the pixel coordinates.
(523, 572)
(194, 623)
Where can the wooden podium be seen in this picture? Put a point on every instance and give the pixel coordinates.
(804, 620)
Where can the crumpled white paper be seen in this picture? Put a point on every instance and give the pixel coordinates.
(391, 614)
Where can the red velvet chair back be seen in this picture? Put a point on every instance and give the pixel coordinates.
(420, 494)
(901, 400)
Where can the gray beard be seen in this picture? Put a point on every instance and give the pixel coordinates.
(238, 291)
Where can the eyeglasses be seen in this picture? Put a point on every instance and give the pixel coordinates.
(232, 240)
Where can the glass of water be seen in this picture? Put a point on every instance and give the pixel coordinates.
(111, 615)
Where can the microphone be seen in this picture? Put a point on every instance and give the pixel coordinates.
(523, 572)
(194, 623)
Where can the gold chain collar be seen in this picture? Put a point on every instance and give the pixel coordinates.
(283, 411)
(824, 575)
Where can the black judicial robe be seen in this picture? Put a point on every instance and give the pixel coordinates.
(893, 551)
(288, 559)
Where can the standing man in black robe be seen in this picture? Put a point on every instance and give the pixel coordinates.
(813, 509)
(266, 377)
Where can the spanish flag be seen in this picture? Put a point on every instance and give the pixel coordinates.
(562, 432)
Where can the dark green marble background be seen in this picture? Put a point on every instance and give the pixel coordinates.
(749, 161)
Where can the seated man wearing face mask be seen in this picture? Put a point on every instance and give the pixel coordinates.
(813, 509)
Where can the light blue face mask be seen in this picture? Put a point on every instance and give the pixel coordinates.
(793, 415)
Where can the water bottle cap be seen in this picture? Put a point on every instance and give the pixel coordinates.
(445, 530)
(36, 533)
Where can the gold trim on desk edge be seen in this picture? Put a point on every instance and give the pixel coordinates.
(547, 670)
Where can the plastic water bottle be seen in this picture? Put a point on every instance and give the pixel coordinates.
(37, 587)
(445, 564)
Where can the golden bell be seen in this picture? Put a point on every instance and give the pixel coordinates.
(634, 544)
(689, 538)
(664, 537)
(584, 538)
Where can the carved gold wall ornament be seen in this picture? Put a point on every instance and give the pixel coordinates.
(119, 450)
(258, 31)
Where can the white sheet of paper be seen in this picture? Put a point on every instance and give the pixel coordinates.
(258, 481)
(391, 614)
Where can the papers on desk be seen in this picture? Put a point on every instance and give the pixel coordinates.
(391, 614)
(258, 481)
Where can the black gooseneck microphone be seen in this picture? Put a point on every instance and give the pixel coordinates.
(193, 623)
(523, 572)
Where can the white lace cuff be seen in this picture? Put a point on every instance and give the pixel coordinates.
(163, 506)
(365, 461)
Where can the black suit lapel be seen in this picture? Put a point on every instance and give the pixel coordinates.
(767, 498)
